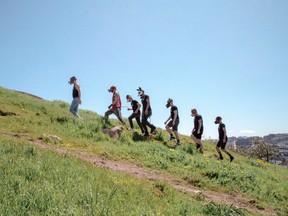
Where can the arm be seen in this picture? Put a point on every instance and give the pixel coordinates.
(115, 98)
(224, 138)
(193, 128)
(138, 107)
(200, 125)
(77, 86)
(147, 107)
(167, 120)
(175, 116)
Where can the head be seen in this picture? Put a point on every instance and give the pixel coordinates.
(129, 98)
(218, 120)
(112, 89)
(169, 102)
(194, 112)
(140, 92)
(72, 80)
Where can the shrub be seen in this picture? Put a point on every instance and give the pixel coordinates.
(159, 136)
(216, 209)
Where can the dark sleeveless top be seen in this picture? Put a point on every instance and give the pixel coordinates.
(75, 93)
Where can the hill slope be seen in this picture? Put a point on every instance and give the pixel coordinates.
(263, 186)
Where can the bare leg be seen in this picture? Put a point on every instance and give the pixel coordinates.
(176, 135)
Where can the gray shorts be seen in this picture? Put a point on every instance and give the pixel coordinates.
(117, 112)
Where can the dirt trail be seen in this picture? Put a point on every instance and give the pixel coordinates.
(239, 200)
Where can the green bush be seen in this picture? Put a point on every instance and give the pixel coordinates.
(216, 209)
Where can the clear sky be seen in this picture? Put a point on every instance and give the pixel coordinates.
(223, 57)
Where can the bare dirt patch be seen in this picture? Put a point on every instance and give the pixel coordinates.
(239, 200)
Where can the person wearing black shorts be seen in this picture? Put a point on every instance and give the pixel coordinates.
(146, 112)
(136, 112)
(174, 121)
(222, 139)
(197, 130)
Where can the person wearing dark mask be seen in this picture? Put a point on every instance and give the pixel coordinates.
(146, 112)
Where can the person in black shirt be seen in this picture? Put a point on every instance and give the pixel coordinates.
(197, 130)
(174, 122)
(76, 94)
(146, 112)
(222, 139)
(136, 112)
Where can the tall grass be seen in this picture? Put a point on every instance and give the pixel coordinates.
(39, 182)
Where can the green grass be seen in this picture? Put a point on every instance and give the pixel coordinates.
(39, 182)
(262, 182)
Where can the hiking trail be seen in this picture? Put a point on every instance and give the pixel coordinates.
(239, 200)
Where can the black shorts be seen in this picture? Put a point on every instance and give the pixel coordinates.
(195, 134)
(221, 144)
(174, 127)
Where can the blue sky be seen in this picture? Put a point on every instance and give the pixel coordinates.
(227, 58)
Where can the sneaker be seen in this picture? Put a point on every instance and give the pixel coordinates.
(175, 146)
(178, 142)
(153, 129)
(172, 138)
(220, 158)
(231, 158)
(199, 147)
(103, 118)
(145, 135)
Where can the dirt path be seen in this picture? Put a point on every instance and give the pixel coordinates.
(239, 200)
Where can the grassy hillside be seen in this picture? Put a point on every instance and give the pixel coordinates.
(37, 181)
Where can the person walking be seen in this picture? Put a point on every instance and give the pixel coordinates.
(136, 113)
(115, 107)
(146, 112)
(174, 121)
(197, 130)
(222, 139)
(76, 94)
